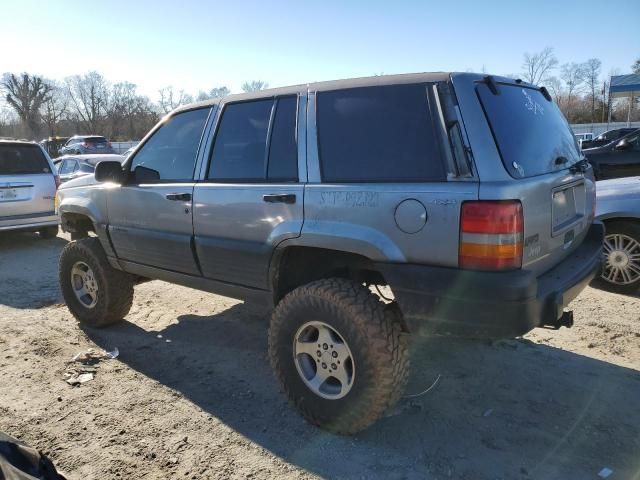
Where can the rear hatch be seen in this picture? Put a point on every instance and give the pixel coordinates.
(27, 184)
(546, 170)
(97, 144)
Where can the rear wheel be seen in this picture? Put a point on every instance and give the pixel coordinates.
(48, 232)
(621, 269)
(97, 294)
(339, 354)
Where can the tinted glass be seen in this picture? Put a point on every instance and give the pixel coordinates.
(85, 167)
(172, 149)
(22, 159)
(239, 150)
(530, 131)
(95, 140)
(380, 134)
(283, 150)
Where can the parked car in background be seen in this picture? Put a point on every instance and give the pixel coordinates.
(86, 144)
(620, 158)
(27, 188)
(74, 166)
(607, 137)
(583, 137)
(303, 197)
(618, 206)
(53, 145)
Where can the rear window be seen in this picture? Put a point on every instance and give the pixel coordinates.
(22, 159)
(378, 134)
(95, 140)
(530, 131)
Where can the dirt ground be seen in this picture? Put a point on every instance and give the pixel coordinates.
(192, 395)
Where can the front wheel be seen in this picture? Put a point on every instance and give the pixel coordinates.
(621, 270)
(339, 354)
(97, 294)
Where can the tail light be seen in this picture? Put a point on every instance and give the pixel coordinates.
(491, 235)
(56, 178)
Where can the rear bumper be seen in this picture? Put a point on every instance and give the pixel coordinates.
(492, 304)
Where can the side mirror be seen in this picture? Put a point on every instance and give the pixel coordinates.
(145, 175)
(623, 145)
(110, 171)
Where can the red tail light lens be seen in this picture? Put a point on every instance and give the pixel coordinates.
(491, 235)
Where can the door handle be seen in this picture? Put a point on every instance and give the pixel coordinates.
(178, 197)
(279, 198)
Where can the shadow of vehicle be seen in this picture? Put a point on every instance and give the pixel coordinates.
(509, 409)
(32, 283)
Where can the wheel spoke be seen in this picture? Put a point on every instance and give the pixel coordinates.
(319, 378)
(310, 348)
(341, 375)
(342, 351)
(324, 336)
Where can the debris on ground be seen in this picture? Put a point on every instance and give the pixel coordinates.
(605, 472)
(92, 355)
(79, 374)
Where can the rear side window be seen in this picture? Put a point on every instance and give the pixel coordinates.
(378, 134)
(256, 142)
(22, 159)
(95, 140)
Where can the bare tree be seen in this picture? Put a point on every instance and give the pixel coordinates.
(26, 94)
(635, 68)
(216, 92)
(127, 110)
(89, 95)
(254, 86)
(555, 88)
(55, 107)
(592, 69)
(572, 74)
(171, 99)
(538, 66)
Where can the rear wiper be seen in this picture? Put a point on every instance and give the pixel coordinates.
(582, 166)
(491, 83)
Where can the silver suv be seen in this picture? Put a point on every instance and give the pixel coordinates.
(27, 189)
(466, 195)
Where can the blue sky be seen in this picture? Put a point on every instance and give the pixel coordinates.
(197, 44)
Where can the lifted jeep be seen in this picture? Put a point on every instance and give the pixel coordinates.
(466, 195)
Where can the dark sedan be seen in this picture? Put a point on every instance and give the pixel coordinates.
(74, 166)
(620, 158)
(607, 137)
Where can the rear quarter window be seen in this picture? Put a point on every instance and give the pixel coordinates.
(22, 160)
(378, 134)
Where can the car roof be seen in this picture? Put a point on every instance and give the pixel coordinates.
(323, 86)
(10, 141)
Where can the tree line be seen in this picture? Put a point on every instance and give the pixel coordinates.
(579, 88)
(36, 107)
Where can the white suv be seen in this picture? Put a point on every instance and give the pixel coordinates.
(27, 189)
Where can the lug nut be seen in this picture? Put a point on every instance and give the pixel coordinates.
(325, 346)
(334, 354)
(334, 366)
(324, 365)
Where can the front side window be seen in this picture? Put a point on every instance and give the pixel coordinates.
(256, 142)
(170, 154)
(378, 134)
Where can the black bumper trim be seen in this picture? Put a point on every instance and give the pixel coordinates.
(491, 304)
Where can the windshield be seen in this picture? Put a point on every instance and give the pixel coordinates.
(22, 159)
(531, 133)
